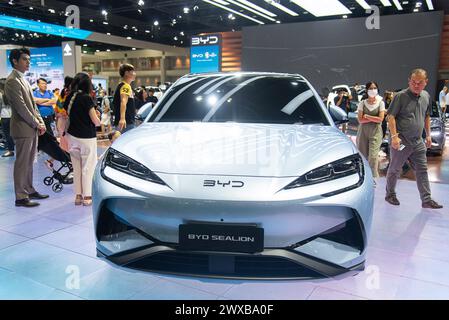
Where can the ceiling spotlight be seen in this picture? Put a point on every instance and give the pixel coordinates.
(156, 23)
(85, 45)
(97, 50)
(182, 33)
(91, 20)
(140, 11)
(186, 10)
(173, 21)
(277, 21)
(84, 51)
(141, 2)
(175, 38)
(31, 8)
(129, 38)
(11, 2)
(345, 17)
(418, 5)
(108, 34)
(195, 8)
(231, 16)
(51, 10)
(104, 12)
(134, 49)
(105, 22)
(147, 31)
(108, 50)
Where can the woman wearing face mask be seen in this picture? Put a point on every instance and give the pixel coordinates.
(370, 114)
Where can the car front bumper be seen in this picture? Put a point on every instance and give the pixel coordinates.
(303, 238)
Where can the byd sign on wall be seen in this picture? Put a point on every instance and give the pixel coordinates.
(205, 53)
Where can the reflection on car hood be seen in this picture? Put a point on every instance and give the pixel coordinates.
(269, 150)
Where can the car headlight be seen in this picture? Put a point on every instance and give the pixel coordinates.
(335, 170)
(125, 164)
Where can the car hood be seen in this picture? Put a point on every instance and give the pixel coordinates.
(266, 150)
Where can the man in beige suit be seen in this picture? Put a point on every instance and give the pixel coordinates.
(26, 125)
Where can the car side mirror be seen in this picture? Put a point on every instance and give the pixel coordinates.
(338, 115)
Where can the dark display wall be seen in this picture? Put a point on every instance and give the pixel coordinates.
(344, 51)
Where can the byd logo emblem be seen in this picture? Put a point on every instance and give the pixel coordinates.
(205, 40)
(232, 184)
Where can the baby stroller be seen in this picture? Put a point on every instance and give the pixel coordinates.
(48, 144)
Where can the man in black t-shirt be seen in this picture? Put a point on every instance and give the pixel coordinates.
(343, 101)
(124, 105)
(151, 98)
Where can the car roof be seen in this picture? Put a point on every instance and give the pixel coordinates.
(244, 73)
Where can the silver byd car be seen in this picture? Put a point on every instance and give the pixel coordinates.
(235, 175)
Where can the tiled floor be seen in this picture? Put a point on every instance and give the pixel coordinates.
(49, 253)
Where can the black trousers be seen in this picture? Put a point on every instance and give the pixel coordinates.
(6, 125)
(48, 120)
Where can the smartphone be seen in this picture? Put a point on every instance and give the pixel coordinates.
(401, 147)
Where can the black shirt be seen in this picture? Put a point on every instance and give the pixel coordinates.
(344, 103)
(152, 99)
(81, 126)
(130, 115)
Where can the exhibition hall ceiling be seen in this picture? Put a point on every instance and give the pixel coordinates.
(172, 22)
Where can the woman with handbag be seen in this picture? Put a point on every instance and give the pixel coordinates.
(82, 137)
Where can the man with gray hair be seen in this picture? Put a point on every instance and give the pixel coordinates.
(408, 116)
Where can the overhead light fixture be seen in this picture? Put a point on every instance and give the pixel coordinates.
(256, 7)
(108, 50)
(156, 23)
(430, 4)
(85, 45)
(104, 12)
(182, 33)
(386, 3)
(345, 17)
(147, 31)
(84, 51)
(418, 5)
(108, 34)
(97, 50)
(129, 38)
(31, 8)
(91, 20)
(105, 22)
(186, 10)
(415, 10)
(141, 2)
(51, 10)
(277, 21)
(252, 10)
(134, 49)
(281, 7)
(222, 2)
(364, 4)
(233, 11)
(323, 8)
(398, 5)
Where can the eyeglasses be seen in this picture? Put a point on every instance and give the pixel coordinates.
(418, 83)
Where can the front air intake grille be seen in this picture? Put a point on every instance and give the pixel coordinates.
(223, 265)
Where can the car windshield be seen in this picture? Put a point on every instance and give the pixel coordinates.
(243, 98)
(435, 112)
